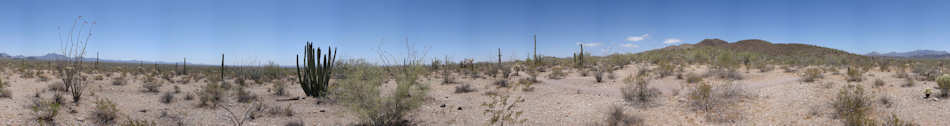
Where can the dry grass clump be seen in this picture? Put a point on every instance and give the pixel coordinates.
(295, 123)
(281, 111)
(812, 75)
(616, 117)
(137, 122)
(105, 113)
(637, 92)
(465, 88)
(853, 105)
(908, 82)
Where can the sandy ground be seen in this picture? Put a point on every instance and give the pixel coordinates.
(774, 98)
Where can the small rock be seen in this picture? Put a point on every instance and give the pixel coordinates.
(460, 108)
(443, 106)
(323, 111)
(143, 111)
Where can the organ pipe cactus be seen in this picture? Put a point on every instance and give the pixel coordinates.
(315, 76)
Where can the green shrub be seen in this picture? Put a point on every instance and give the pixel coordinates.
(45, 111)
(811, 75)
(360, 93)
(211, 94)
(853, 105)
(105, 113)
(943, 83)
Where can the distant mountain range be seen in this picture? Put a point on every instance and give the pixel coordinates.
(54, 56)
(917, 54)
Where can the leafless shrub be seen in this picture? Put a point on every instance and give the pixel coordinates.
(245, 96)
(878, 83)
(719, 102)
(73, 45)
(280, 89)
(812, 75)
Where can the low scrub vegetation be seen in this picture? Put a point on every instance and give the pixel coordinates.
(4, 92)
(943, 83)
(360, 91)
(718, 102)
(211, 95)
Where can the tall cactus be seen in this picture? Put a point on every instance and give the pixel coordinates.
(315, 77)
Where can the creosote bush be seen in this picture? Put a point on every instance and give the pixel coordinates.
(853, 105)
(4, 92)
(812, 75)
(855, 75)
(943, 83)
(211, 95)
(360, 92)
(617, 117)
(637, 92)
(105, 113)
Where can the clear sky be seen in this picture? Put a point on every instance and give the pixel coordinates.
(258, 31)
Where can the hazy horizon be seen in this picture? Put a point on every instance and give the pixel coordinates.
(259, 31)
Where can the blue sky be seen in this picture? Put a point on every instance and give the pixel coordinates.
(250, 32)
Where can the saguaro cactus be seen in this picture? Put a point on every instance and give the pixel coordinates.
(315, 76)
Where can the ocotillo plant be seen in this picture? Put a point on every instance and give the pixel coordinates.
(315, 77)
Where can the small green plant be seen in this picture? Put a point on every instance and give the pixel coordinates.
(315, 76)
(943, 83)
(105, 113)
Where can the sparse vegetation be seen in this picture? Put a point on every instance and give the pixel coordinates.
(151, 87)
(4, 92)
(45, 111)
(465, 88)
(878, 83)
(167, 97)
(855, 75)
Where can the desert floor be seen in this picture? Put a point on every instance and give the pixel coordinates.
(771, 98)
